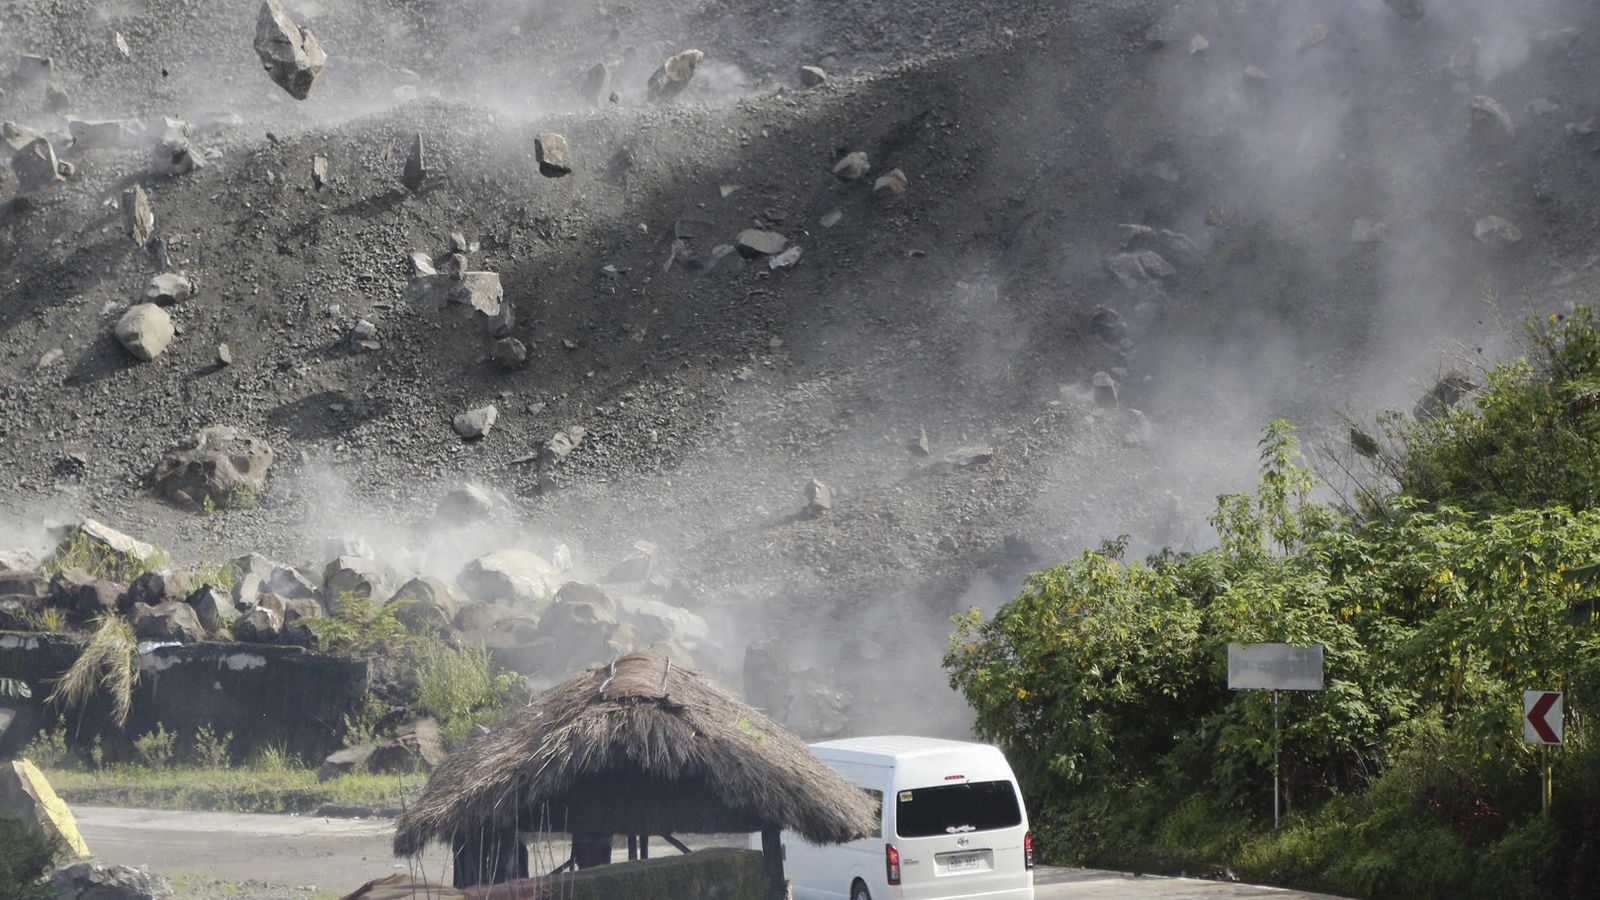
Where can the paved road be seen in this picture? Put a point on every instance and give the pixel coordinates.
(309, 853)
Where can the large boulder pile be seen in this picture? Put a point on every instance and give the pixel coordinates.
(95, 880)
(221, 466)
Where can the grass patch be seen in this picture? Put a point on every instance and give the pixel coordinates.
(251, 789)
(88, 554)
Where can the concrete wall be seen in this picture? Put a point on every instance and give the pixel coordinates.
(264, 695)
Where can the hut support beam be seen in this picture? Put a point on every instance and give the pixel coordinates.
(680, 846)
(633, 846)
(772, 863)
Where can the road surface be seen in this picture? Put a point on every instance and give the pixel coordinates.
(307, 855)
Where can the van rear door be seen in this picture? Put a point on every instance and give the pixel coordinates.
(960, 839)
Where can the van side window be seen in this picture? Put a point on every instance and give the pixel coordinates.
(877, 811)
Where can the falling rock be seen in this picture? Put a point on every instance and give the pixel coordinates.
(818, 711)
(1105, 389)
(1108, 325)
(1496, 233)
(1199, 44)
(221, 464)
(1490, 125)
(853, 167)
(560, 445)
(466, 503)
(813, 76)
(768, 676)
(354, 576)
(967, 457)
(596, 84)
(754, 242)
(788, 259)
(509, 354)
(15, 136)
(145, 331)
(291, 55)
(26, 796)
(893, 183)
(519, 578)
(474, 295)
(416, 747)
(416, 166)
(224, 355)
(673, 76)
(1410, 10)
(319, 171)
(475, 423)
(102, 134)
(819, 499)
(292, 584)
(421, 264)
(169, 289)
(919, 444)
(1363, 443)
(1445, 393)
(36, 167)
(140, 218)
(555, 160)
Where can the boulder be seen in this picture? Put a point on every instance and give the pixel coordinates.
(291, 55)
(578, 626)
(15, 136)
(1496, 233)
(471, 295)
(467, 503)
(416, 747)
(138, 216)
(95, 880)
(479, 617)
(416, 169)
(169, 289)
(813, 76)
(768, 674)
(102, 134)
(818, 712)
(518, 578)
(891, 184)
(754, 242)
(213, 607)
(345, 761)
(550, 149)
(171, 621)
(853, 166)
(560, 445)
(673, 76)
(159, 585)
(355, 576)
(77, 590)
(221, 464)
(145, 331)
(293, 584)
(475, 424)
(509, 354)
(971, 455)
(1105, 390)
(596, 85)
(103, 542)
(15, 583)
(36, 167)
(431, 605)
(27, 797)
(662, 622)
(1490, 125)
(1108, 325)
(261, 625)
(1445, 393)
(819, 499)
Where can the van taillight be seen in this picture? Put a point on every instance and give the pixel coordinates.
(1027, 850)
(891, 860)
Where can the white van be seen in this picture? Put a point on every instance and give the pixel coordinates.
(951, 825)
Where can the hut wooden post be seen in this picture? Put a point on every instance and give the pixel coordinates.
(772, 862)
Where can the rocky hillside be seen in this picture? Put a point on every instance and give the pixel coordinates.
(1123, 235)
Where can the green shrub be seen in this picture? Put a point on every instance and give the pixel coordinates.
(27, 854)
(456, 686)
(157, 747)
(82, 552)
(48, 749)
(210, 749)
(275, 758)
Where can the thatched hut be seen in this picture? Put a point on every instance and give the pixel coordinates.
(639, 747)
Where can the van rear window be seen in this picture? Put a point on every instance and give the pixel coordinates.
(957, 809)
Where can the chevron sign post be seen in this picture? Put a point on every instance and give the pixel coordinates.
(1541, 717)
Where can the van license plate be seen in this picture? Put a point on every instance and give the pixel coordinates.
(964, 862)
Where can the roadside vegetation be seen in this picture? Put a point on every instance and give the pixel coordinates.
(1461, 573)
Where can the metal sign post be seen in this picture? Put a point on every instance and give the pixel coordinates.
(1275, 667)
(1543, 723)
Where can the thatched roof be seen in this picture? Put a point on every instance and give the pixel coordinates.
(640, 746)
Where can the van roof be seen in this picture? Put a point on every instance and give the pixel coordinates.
(899, 746)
